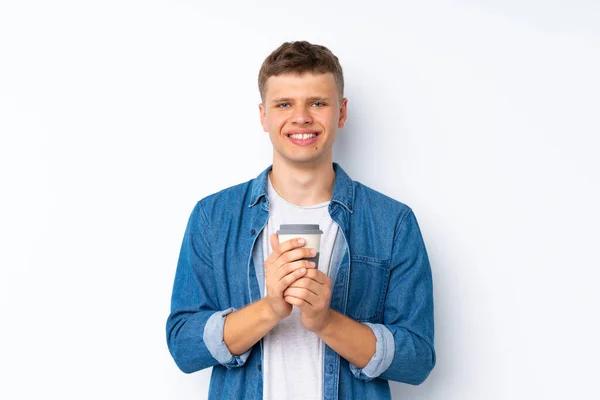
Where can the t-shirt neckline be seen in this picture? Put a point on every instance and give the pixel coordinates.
(273, 192)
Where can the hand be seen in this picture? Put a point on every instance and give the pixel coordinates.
(311, 293)
(284, 266)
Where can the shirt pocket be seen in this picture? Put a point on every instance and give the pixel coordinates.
(367, 289)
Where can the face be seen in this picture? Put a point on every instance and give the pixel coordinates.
(302, 114)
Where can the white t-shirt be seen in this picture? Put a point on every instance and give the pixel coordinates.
(292, 355)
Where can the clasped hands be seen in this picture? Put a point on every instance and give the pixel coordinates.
(292, 281)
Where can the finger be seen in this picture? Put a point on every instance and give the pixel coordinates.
(306, 283)
(296, 254)
(301, 304)
(317, 294)
(287, 269)
(288, 279)
(291, 244)
(317, 276)
(276, 253)
(281, 248)
(303, 294)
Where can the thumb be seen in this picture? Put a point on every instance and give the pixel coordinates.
(274, 239)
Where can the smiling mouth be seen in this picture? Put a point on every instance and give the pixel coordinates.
(303, 136)
(304, 139)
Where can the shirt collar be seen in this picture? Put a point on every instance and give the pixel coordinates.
(343, 188)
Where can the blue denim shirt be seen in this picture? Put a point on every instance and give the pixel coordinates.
(380, 273)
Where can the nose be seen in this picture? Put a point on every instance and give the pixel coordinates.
(302, 116)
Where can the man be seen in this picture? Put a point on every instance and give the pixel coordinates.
(273, 325)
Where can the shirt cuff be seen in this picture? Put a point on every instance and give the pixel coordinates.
(383, 357)
(213, 339)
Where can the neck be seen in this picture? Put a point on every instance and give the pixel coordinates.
(303, 185)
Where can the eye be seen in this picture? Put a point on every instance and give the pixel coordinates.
(283, 105)
(318, 104)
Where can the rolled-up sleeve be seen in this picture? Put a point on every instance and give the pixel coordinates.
(408, 310)
(213, 338)
(384, 354)
(404, 350)
(195, 325)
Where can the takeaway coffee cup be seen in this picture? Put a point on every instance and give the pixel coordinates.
(309, 232)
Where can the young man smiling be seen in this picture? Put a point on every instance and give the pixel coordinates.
(273, 325)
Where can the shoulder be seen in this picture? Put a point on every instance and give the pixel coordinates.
(230, 198)
(388, 218)
(367, 199)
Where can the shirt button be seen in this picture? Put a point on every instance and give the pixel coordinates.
(259, 367)
(252, 231)
(330, 368)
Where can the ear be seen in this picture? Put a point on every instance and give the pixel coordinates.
(343, 113)
(263, 117)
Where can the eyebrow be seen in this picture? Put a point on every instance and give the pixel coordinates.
(289, 100)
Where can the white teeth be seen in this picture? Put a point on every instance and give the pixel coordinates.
(303, 136)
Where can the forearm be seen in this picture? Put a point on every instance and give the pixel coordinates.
(245, 327)
(352, 340)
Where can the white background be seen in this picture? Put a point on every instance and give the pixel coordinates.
(117, 116)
